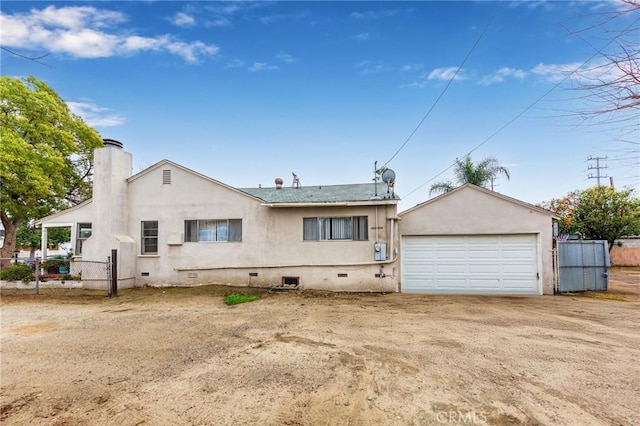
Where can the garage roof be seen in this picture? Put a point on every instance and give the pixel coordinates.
(486, 191)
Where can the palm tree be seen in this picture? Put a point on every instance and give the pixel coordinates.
(466, 171)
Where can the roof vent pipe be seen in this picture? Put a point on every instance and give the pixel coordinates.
(112, 142)
(279, 183)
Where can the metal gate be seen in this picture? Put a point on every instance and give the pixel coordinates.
(582, 265)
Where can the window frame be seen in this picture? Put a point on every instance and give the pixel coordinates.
(330, 228)
(229, 228)
(80, 226)
(144, 239)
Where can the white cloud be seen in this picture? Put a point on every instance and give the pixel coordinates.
(411, 67)
(278, 17)
(532, 5)
(420, 84)
(285, 57)
(235, 63)
(555, 72)
(373, 14)
(221, 14)
(88, 32)
(261, 66)
(94, 115)
(500, 75)
(191, 52)
(443, 74)
(362, 36)
(599, 72)
(368, 67)
(134, 43)
(218, 22)
(74, 17)
(183, 19)
(446, 74)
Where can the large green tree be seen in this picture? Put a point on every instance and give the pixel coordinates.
(466, 171)
(46, 155)
(599, 213)
(563, 208)
(603, 213)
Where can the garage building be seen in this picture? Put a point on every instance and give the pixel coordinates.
(475, 241)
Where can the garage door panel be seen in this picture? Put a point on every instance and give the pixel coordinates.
(450, 254)
(488, 283)
(481, 269)
(448, 283)
(515, 269)
(518, 253)
(487, 264)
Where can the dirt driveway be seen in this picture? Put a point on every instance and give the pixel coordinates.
(180, 356)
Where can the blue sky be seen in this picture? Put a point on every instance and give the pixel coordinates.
(245, 92)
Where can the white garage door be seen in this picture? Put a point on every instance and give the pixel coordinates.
(474, 264)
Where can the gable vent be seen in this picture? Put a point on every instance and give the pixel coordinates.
(166, 177)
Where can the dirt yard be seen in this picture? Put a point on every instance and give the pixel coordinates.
(180, 356)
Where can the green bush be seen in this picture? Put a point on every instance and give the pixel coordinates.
(17, 272)
(54, 263)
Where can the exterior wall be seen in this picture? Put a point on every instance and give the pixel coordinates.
(473, 212)
(271, 245)
(627, 253)
(110, 212)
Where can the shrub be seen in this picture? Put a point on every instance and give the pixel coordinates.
(69, 277)
(17, 272)
(54, 263)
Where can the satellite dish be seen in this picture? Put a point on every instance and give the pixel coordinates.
(389, 177)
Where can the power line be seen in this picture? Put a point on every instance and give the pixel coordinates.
(444, 90)
(524, 111)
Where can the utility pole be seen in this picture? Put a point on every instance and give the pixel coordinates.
(597, 168)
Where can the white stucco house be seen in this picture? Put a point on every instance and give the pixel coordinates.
(174, 226)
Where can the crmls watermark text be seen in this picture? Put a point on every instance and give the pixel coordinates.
(461, 417)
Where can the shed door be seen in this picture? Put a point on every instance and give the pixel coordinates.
(470, 264)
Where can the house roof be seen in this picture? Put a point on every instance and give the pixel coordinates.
(187, 170)
(359, 192)
(486, 191)
(53, 216)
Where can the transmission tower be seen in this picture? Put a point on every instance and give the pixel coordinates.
(597, 168)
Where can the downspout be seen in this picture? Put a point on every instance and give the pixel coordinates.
(376, 223)
(392, 249)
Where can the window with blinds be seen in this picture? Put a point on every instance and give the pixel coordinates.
(211, 230)
(353, 228)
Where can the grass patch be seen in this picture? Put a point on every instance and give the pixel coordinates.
(234, 299)
(601, 295)
(130, 295)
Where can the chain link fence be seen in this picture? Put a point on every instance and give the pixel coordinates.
(55, 272)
